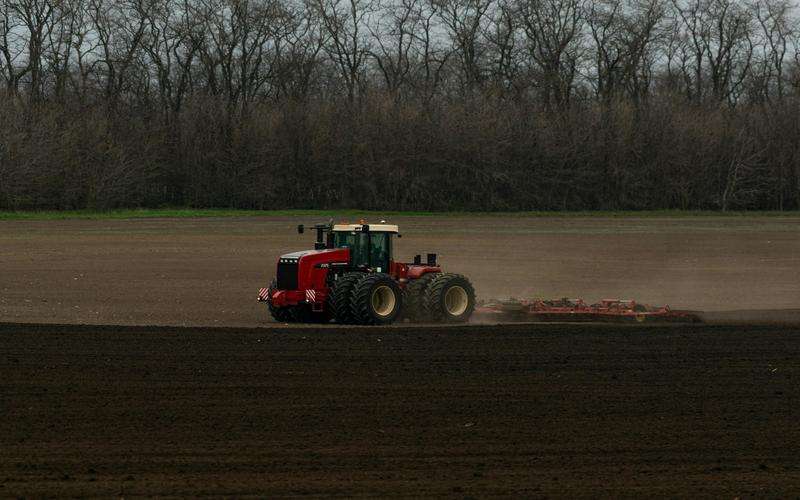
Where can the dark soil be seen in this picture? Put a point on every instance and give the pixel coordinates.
(522, 411)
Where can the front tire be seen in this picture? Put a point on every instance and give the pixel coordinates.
(376, 300)
(341, 297)
(449, 298)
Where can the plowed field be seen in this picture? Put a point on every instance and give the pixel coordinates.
(471, 411)
(236, 405)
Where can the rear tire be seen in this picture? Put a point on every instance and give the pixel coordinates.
(280, 314)
(449, 298)
(341, 297)
(414, 298)
(377, 300)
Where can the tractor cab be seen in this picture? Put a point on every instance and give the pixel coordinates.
(370, 245)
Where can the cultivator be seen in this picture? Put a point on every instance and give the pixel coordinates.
(576, 310)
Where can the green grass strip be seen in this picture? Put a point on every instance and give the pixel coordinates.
(214, 212)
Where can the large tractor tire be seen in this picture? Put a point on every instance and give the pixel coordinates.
(280, 314)
(341, 297)
(449, 298)
(377, 300)
(413, 306)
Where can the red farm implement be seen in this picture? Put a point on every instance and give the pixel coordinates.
(576, 310)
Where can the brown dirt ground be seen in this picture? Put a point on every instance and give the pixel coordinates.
(207, 271)
(517, 410)
(471, 411)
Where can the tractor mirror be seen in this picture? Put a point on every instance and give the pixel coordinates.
(300, 229)
(365, 228)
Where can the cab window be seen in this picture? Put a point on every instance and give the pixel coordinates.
(366, 249)
(356, 241)
(379, 251)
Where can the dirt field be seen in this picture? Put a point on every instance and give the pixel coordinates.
(207, 271)
(470, 411)
(473, 411)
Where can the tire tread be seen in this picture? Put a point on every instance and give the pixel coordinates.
(432, 300)
(415, 296)
(340, 299)
(362, 294)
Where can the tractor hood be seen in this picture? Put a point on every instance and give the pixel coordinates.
(314, 257)
(308, 269)
(295, 256)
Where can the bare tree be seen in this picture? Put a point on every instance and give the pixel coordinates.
(506, 54)
(554, 31)
(235, 41)
(119, 28)
(465, 22)
(393, 41)
(608, 34)
(169, 50)
(348, 42)
(298, 55)
(37, 19)
(430, 51)
(74, 52)
(13, 44)
(497, 104)
(625, 35)
(777, 28)
(720, 32)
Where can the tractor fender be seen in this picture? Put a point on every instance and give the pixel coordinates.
(414, 272)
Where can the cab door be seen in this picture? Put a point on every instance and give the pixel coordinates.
(380, 251)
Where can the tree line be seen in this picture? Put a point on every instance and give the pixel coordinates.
(400, 104)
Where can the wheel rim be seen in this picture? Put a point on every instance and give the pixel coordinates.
(456, 301)
(383, 300)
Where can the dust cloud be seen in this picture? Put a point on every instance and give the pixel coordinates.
(732, 268)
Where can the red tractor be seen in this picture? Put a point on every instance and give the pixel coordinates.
(351, 277)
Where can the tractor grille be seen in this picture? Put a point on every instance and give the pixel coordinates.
(287, 276)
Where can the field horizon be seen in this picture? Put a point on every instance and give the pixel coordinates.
(182, 212)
